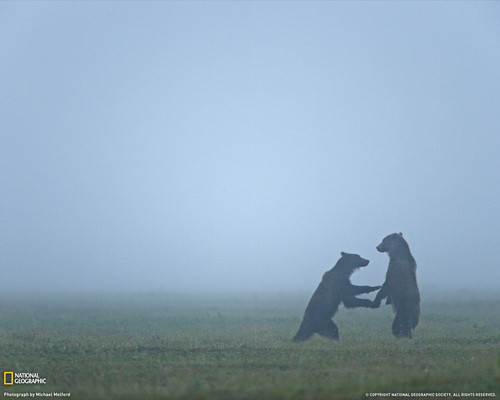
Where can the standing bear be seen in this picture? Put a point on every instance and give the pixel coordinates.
(400, 286)
(335, 287)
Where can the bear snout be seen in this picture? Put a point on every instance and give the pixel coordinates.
(365, 262)
(381, 248)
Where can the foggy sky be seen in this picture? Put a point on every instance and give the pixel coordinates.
(200, 146)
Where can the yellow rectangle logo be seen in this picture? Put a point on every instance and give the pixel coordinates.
(8, 378)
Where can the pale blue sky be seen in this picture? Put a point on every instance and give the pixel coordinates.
(207, 145)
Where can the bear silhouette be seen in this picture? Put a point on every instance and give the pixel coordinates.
(335, 288)
(400, 286)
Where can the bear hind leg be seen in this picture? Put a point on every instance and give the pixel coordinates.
(305, 332)
(329, 330)
(401, 326)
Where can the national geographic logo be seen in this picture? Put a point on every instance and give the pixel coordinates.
(23, 378)
(8, 378)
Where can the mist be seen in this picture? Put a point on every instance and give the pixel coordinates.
(240, 147)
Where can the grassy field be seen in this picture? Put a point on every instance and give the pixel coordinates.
(238, 347)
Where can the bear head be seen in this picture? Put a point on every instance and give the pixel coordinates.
(349, 262)
(391, 243)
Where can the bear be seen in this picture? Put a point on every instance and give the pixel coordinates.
(400, 286)
(334, 288)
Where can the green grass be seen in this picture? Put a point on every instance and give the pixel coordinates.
(238, 347)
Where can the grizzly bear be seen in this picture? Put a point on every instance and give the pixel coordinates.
(400, 286)
(335, 287)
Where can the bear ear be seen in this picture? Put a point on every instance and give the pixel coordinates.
(342, 253)
(400, 234)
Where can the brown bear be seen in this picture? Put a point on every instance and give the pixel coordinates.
(400, 286)
(335, 287)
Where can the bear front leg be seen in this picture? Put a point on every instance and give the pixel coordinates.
(355, 290)
(366, 289)
(353, 302)
(382, 294)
